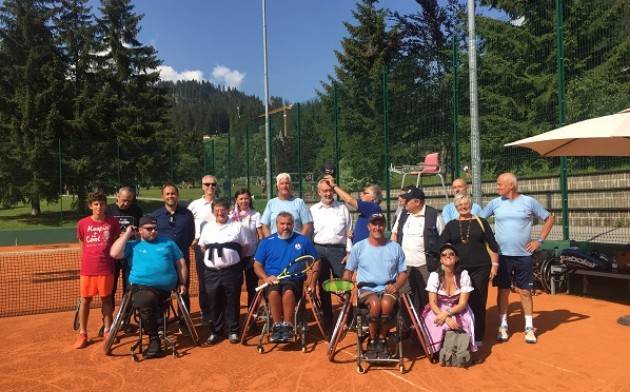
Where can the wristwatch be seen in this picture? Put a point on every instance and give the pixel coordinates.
(540, 241)
(450, 312)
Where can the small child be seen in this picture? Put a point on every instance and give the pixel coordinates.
(96, 234)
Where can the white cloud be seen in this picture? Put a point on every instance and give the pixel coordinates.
(169, 74)
(518, 22)
(228, 77)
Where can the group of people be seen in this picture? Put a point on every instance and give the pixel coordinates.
(446, 260)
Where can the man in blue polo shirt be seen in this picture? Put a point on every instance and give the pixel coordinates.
(177, 223)
(513, 216)
(273, 254)
(381, 273)
(157, 267)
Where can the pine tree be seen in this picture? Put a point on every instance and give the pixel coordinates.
(31, 86)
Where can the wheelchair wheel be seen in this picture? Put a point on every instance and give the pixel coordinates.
(185, 314)
(75, 323)
(117, 323)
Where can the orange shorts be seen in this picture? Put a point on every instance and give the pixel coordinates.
(100, 285)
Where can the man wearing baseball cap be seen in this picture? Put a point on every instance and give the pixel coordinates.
(381, 273)
(157, 268)
(418, 232)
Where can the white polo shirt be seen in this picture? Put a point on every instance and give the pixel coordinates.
(215, 233)
(413, 238)
(332, 224)
(202, 212)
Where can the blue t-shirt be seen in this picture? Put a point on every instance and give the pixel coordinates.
(376, 264)
(366, 209)
(153, 263)
(450, 213)
(295, 206)
(513, 222)
(275, 253)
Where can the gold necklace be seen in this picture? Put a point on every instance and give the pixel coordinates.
(465, 240)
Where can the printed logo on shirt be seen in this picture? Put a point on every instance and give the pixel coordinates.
(298, 246)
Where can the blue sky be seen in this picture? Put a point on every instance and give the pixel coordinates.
(221, 41)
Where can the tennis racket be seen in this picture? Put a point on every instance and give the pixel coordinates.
(297, 268)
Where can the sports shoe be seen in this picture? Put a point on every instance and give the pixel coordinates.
(183, 329)
(287, 332)
(82, 341)
(530, 336)
(381, 345)
(233, 337)
(155, 348)
(213, 339)
(372, 345)
(502, 334)
(276, 333)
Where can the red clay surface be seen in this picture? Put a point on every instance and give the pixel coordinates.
(581, 348)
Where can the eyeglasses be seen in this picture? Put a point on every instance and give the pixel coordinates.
(447, 254)
(150, 228)
(212, 184)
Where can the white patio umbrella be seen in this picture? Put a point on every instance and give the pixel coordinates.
(601, 136)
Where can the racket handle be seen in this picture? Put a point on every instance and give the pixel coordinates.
(262, 286)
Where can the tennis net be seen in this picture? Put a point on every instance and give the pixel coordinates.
(47, 280)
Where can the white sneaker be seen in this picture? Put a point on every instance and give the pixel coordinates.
(502, 334)
(530, 336)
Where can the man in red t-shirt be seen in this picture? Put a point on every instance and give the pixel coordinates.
(96, 234)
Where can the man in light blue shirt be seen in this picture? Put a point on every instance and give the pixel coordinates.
(449, 212)
(513, 215)
(381, 273)
(286, 202)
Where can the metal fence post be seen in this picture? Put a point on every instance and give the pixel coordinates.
(386, 137)
(336, 118)
(60, 186)
(299, 149)
(561, 116)
(455, 108)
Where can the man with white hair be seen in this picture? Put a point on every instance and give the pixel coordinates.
(449, 212)
(303, 221)
(513, 216)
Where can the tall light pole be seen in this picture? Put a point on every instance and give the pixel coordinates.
(475, 148)
(266, 82)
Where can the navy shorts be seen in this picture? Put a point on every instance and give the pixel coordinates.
(297, 286)
(517, 270)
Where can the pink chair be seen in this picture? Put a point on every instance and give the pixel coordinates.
(431, 167)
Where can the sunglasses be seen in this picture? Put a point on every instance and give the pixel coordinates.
(447, 254)
(150, 228)
(212, 184)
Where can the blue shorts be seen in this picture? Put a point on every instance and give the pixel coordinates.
(517, 270)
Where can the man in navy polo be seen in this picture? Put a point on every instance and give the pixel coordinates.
(177, 223)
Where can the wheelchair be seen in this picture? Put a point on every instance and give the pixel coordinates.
(393, 353)
(259, 312)
(126, 306)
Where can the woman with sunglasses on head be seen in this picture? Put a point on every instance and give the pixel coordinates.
(449, 290)
(251, 227)
(478, 253)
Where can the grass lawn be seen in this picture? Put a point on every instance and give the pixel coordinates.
(19, 217)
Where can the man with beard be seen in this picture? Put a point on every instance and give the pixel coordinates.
(332, 224)
(273, 255)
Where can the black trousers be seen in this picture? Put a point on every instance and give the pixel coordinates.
(223, 292)
(120, 266)
(330, 262)
(479, 277)
(251, 279)
(203, 297)
(417, 278)
(150, 303)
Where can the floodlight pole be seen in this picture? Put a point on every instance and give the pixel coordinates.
(475, 148)
(266, 83)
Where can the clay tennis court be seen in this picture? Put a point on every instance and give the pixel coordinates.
(581, 347)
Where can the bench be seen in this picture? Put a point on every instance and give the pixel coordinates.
(586, 273)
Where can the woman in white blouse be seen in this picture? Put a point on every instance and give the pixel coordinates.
(251, 227)
(449, 290)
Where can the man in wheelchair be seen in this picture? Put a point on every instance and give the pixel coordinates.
(272, 256)
(380, 274)
(157, 268)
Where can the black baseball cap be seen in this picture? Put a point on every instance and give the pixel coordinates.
(413, 193)
(147, 220)
(450, 246)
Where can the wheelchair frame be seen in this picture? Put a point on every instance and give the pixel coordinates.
(260, 309)
(126, 306)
